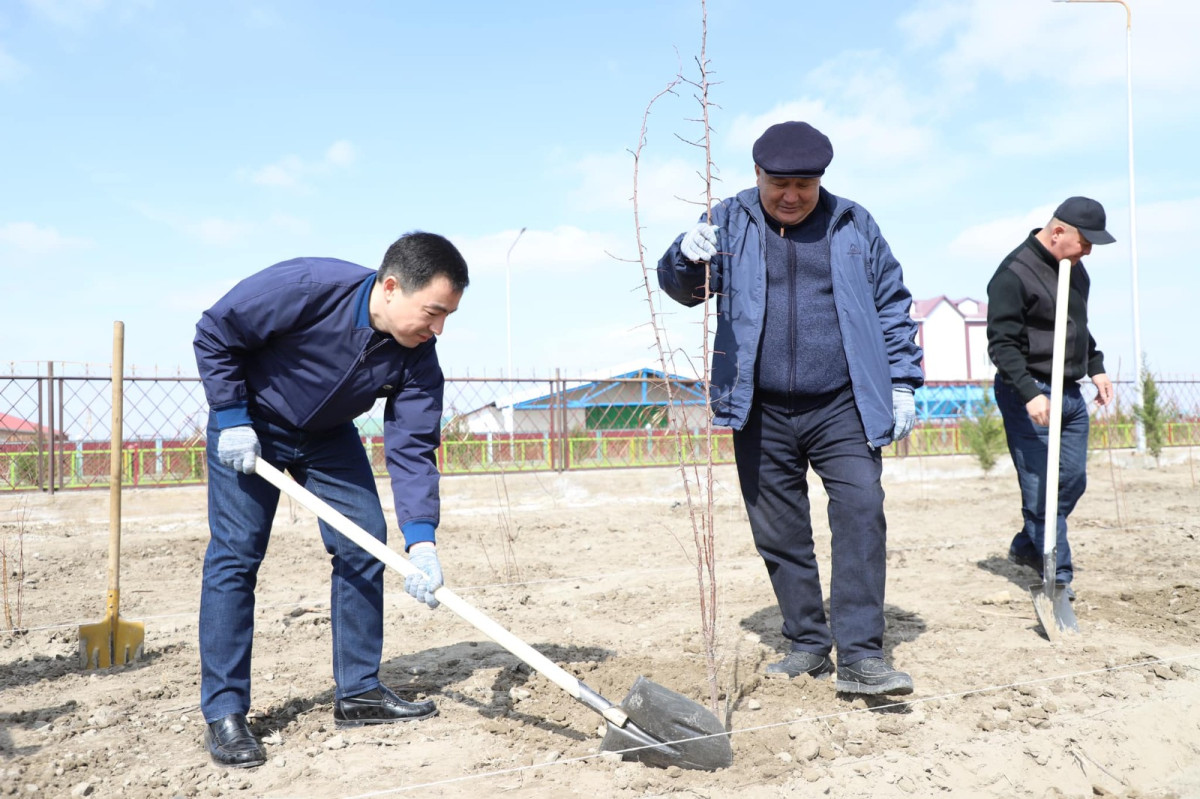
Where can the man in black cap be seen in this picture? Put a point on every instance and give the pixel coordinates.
(1020, 331)
(814, 362)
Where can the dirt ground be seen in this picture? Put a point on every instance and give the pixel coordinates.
(593, 570)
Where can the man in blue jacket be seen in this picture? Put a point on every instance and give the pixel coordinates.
(813, 363)
(288, 358)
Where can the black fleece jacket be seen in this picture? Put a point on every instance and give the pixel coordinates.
(1020, 324)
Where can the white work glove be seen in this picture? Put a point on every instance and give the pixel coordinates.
(421, 586)
(904, 409)
(699, 243)
(238, 448)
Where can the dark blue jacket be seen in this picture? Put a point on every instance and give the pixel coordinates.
(868, 288)
(293, 345)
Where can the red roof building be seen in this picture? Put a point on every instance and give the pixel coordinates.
(14, 429)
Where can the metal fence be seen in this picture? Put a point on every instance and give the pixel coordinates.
(55, 427)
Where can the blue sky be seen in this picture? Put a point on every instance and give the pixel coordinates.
(153, 153)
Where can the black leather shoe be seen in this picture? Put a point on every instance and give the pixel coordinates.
(1026, 560)
(797, 663)
(379, 706)
(231, 743)
(872, 676)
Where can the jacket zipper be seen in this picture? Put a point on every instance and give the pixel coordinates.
(362, 359)
(791, 270)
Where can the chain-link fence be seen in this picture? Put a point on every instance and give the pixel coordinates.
(56, 431)
(55, 427)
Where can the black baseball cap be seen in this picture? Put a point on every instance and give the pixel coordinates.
(1087, 215)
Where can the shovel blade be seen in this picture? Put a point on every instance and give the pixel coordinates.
(668, 729)
(111, 642)
(1053, 609)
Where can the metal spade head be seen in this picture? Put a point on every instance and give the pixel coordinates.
(668, 729)
(111, 642)
(1053, 608)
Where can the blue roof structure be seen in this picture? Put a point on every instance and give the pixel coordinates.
(592, 393)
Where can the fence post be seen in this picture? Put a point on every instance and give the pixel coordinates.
(38, 436)
(50, 414)
(555, 434)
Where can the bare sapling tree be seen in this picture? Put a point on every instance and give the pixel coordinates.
(1115, 419)
(12, 561)
(697, 473)
(508, 531)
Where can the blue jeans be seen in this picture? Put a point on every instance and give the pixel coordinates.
(333, 465)
(773, 452)
(1028, 443)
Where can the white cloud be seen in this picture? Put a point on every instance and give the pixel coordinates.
(290, 224)
(209, 230)
(67, 13)
(340, 153)
(998, 235)
(1160, 226)
(77, 14)
(284, 174)
(1169, 218)
(561, 250)
(1071, 44)
(37, 239)
(10, 68)
(220, 232)
(872, 136)
(1055, 131)
(1017, 40)
(291, 171)
(670, 192)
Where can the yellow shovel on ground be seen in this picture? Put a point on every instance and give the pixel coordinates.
(113, 641)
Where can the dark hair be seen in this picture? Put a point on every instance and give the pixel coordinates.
(417, 258)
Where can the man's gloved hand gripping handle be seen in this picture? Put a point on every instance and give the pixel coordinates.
(238, 448)
(423, 555)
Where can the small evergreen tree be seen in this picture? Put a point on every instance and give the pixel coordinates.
(984, 432)
(1152, 414)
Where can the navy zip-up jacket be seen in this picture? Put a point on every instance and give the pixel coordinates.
(868, 290)
(293, 345)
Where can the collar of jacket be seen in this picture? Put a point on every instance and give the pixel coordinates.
(836, 206)
(362, 303)
(1040, 250)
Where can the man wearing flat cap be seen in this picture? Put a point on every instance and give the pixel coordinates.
(814, 363)
(1020, 330)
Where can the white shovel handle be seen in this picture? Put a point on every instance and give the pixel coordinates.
(1054, 447)
(389, 557)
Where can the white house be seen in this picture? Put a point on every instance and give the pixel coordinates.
(953, 334)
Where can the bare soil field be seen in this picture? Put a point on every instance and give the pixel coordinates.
(594, 570)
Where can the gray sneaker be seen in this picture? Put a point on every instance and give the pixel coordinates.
(797, 663)
(872, 676)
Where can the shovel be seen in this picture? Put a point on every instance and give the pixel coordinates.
(1051, 603)
(653, 725)
(113, 641)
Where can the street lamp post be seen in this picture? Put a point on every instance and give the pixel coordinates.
(1133, 257)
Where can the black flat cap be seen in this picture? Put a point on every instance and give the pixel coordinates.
(793, 150)
(1087, 215)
